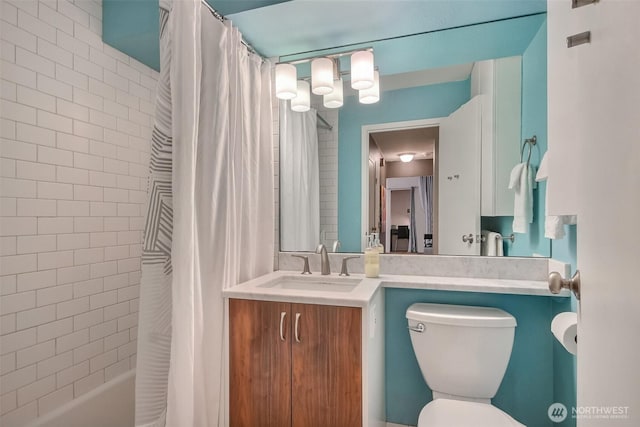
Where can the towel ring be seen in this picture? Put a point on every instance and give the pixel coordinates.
(531, 142)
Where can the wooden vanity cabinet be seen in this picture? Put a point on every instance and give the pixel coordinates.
(282, 377)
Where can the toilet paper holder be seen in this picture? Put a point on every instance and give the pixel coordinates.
(557, 283)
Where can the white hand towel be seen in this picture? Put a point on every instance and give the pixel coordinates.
(492, 244)
(521, 181)
(553, 225)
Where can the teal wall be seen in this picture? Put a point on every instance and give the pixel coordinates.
(534, 122)
(133, 27)
(540, 371)
(398, 105)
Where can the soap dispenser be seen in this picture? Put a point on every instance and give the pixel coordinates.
(371, 258)
(377, 244)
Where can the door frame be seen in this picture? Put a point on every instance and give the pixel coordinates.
(364, 164)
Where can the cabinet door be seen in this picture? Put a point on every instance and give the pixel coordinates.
(259, 364)
(326, 371)
(459, 180)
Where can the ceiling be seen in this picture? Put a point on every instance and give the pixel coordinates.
(420, 141)
(291, 27)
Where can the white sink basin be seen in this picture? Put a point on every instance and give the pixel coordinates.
(315, 284)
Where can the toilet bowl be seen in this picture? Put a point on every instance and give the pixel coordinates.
(458, 413)
(463, 353)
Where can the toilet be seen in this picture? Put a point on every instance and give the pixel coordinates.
(463, 353)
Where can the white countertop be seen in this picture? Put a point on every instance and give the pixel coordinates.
(257, 289)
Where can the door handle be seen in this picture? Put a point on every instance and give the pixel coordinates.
(282, 316)
(297, 334)
(557, 283)
(467, 239)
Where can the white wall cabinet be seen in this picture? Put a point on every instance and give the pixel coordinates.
(499, 84)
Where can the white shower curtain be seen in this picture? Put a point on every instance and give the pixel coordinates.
(299, 180)
(426, 200)
(210, 217)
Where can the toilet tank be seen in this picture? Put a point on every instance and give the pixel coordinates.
(462, 350)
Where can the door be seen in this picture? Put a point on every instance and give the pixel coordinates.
(607, 197)
(259, 363)
(459, 181)
(326, 371)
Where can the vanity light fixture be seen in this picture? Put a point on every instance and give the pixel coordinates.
(302, 101)
(362, 70)
(286, 75)
(335, 99)
(327, 79)
(406, 157)
(322, 76)
(371, 95)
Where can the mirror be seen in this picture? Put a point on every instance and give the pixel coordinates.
(425, 79)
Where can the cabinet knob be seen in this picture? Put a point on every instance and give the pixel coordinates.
(467, 238)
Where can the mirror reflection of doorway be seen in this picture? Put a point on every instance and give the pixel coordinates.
(401, 167)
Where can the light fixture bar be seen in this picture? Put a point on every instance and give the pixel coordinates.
(331, 55)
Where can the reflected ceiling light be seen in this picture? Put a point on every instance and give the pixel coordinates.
(406, 157)
(286, 87)
(322, 76)
(328, 80)
(335, 99)
(302, 101)
(362, 70)
(371, 95)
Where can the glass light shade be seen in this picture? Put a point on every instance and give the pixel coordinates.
(371, 95)
(302, 101)
(322, 76)
(286, 75)
(362, 70)
(335, 99)
(406, 157)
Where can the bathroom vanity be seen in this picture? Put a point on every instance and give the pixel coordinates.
(299, 345)
(290, 362)
(309, 350)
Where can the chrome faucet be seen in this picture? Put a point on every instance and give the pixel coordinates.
(324, 259)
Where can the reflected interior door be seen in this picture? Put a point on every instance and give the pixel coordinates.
(459, 180)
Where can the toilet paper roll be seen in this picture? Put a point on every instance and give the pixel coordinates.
(565, 328)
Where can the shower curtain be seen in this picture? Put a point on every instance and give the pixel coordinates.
(299, 180)
(209, 221)
(426, 200)
(413, 234)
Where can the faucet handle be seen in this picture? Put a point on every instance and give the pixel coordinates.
(344, 271)
(305, 267)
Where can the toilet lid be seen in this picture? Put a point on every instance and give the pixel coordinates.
(448, 413)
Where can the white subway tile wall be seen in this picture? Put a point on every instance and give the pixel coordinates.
(328, 166)
(75, 129)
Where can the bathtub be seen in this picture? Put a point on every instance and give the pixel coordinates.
(110, 405)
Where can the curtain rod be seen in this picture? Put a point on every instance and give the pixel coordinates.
(221, 18)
